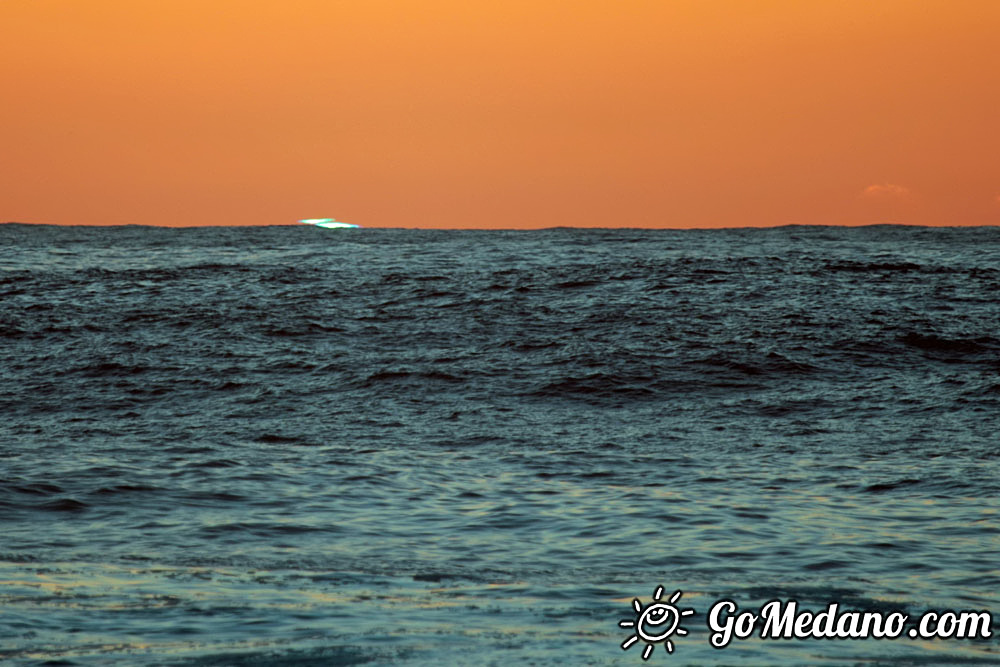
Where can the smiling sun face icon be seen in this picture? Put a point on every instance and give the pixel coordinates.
(655, 622)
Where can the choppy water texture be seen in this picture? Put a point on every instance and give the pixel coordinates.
(290, 445)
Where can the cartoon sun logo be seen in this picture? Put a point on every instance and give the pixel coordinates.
(656, 622)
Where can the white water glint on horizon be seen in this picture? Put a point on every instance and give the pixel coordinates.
(328, 223)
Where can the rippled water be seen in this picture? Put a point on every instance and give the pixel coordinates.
(289, 445)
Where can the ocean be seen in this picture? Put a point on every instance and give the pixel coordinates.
(299, 446)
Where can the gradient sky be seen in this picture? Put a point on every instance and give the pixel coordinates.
(538, 113)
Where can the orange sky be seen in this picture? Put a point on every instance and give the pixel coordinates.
(515, 113)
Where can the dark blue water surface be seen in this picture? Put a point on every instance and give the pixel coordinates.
(290, 445)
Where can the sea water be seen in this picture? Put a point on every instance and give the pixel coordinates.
(298, 446)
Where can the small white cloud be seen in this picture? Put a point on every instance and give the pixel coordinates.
(886, 190)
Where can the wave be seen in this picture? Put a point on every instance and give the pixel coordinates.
(935, 343)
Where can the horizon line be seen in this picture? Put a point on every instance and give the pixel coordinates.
(520, 229)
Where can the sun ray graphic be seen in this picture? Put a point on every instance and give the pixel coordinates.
(655, 623)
